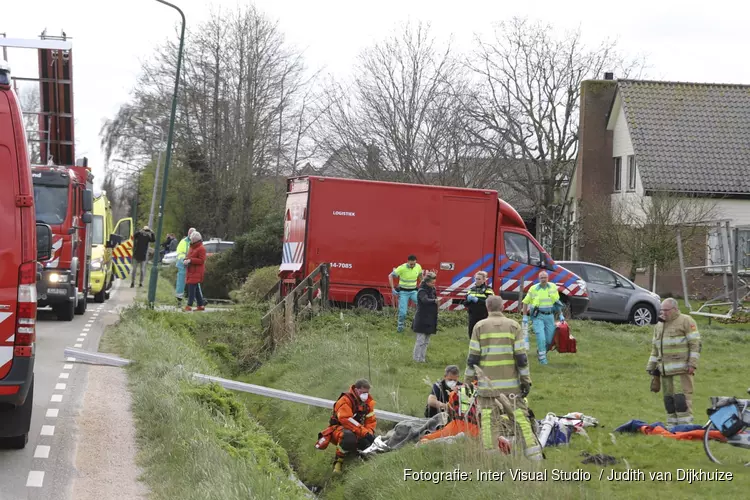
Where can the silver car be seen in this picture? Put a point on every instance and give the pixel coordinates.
(613, 297)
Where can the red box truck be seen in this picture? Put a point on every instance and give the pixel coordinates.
(365, 229)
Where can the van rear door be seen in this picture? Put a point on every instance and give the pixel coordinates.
(10, 228)
(466, 243)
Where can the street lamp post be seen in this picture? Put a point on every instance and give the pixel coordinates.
(155, 268)
(156, 180)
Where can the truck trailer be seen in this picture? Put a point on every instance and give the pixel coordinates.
(365, 229)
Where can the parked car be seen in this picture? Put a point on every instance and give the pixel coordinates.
(213, 246)
(613, 297)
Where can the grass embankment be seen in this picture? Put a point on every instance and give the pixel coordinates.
(605, 379)
(196, 442)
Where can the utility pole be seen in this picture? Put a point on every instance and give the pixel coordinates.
(156, 180)
(155, 268)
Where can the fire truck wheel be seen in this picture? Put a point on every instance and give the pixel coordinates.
(20, 421)
(65, 312)
(81, 307)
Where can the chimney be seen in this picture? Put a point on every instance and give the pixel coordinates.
(595, 168)
(609, 75)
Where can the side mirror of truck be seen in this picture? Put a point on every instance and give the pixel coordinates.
(87, 201)
(43, 241)
(87, 217)
(544, 262)
(113, 241)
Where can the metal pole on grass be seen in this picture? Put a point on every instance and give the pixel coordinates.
(369, 373)
(155, 268)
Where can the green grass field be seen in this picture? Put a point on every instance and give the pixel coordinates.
(605, 379)
(195, 442)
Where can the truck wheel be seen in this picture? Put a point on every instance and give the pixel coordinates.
(65, 312)
(369, 299)
(21, 417)
(100, 297)
(81, 307)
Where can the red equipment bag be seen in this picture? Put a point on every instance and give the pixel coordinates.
(563, 341)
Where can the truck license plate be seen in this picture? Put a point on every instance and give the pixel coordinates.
(57, 291)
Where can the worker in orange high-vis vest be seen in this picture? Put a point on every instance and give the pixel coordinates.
(352, 424)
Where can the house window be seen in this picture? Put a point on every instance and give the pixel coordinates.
(718, 253)
(631, 173)
(618, 174)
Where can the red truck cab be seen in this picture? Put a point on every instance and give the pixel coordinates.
(19, 252)
(64, 200)
(365, 229)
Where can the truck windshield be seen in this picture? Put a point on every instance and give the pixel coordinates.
(51, 203)
(97, 230)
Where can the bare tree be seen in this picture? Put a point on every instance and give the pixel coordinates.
(243, 113)
(29, 101)
(641, 231)
(527, 108)
(400, 117)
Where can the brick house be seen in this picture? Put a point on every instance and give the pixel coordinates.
(638, 138)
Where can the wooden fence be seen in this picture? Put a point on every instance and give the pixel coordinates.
(309, 298)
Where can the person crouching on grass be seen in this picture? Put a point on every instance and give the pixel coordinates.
(425, 320)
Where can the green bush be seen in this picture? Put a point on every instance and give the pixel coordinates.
(258, 283)
(260, 247)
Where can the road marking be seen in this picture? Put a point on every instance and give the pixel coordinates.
(70, 359)
(78, 345)
(87, 329)
(48, 430)
(79, 339)
(84, 334)
(52, 413)
(36, 479)
(56, 398)
(41, 451)
(60, 387)
(64, 375)
(67, 367)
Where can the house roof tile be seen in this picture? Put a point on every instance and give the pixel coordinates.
(689, 137)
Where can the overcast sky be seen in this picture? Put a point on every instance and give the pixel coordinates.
(697, 42)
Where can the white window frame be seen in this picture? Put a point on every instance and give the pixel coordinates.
(631, 173)
(618, 174)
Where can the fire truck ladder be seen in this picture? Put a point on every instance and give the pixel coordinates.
(733, 259)
(55, 116)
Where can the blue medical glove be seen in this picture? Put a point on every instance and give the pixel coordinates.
(562, 318)
(525, 319)
(472, 298)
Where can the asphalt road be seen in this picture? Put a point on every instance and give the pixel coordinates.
(45, 468)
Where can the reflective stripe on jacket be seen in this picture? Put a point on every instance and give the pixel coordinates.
(494, 344)
(542, 298)
(676, 345)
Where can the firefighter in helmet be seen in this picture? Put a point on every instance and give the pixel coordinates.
(352, 424)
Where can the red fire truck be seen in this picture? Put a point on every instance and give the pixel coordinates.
(19, 251)
(64, 200)
(63, 188)
(365, 229)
